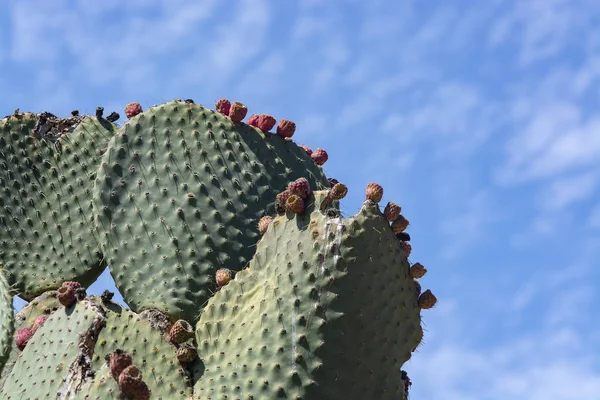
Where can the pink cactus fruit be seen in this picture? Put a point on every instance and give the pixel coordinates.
(300, 187)
(407, 248)
(66, 295)
(223, 106)
(223, 276)
(294, 204)
(391, 211)
(286, 128)
(307, 149)
(264, 223)
(22, 336)
(266, 122)
(133, 109)
(417, 287)
(118, 361)
(39, 321)
(338, 191)
(253, 120)
(332, 181)
(181, 331)
(74, 285)
(319, 156)
(374, 192)
(238, 112)
(280, 201)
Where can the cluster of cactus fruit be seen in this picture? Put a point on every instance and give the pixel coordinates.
(226, 241)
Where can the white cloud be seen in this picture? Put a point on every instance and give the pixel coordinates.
(562, 193)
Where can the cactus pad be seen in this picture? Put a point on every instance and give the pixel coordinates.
(47, 167)
(327, 309)
(6, 321)
(179, 195)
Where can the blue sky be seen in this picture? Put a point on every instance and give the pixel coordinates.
(479, 118)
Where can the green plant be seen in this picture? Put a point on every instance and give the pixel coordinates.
(226, 240)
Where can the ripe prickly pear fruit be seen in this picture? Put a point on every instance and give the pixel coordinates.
(253, 120)
(264, 223)
(400, 224)
(223, 106)
(427, 300)
(133, 109)
(280, 201)
(266, 122)
(74, 285)
(391, 211)
(118, 361)
(186, 354)
(319, 156)
(417, 270)
(131, 384)
(294, 204)
(181, 331)
(286, 128)
(338, 191)
(22, 336)
(66, 295)
(300, 187)
(403, 237)
(223, 276)
(418, 287)
(39, 321)
(238, 112)
(332, 181)
(374, 192)
(307, 149)
(407, 248)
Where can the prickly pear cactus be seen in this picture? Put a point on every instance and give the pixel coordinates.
(178, 195)
(6, 320)
(47, 168)
(244, 282)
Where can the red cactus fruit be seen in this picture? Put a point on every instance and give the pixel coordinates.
(417, 270)
(294, 204)
(407, 248)
(307, 149)
(338, 191)
(74, 285)
(223, 106)
(186, 354)
(266, 122)
(133, 109)
(118, 361)
(417, 287)
(300, 187)
(22, 336)
(181, 331)
(238, 112)
(400, 224)
(286, 128)
(131, 384)
(427, 300)
(374, 192)
(391, 211)
(280, 201)
(319, 156)
(253, 120)
(332, 181)
(223, 276)
(39, 321)
(66, 295)
(264, 223)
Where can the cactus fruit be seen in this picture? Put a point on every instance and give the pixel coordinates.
(164, 245)
(391, 211)
(238, 112)
(265, 122)
(374, 192)
(286, 128)
(306, 149)
(307, 304)
(223, 276)
(319, 156)
(264, 223)
(132, 109)
(223, 106)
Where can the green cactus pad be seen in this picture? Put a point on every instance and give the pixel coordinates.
(46, 220)
(150, 351)
(50, 363)
(179, 195)
(6, 320)
(327, 309)
(44, 304)
(102, 387)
